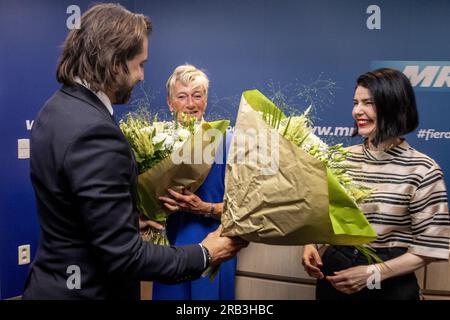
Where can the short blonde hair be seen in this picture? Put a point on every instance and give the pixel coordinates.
(187, 74)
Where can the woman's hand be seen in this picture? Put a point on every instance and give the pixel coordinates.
(355, 279)
(311, 261)
(186, 201)
(144, 225)
(351, 280)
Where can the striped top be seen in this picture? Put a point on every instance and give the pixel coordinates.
(408, 206)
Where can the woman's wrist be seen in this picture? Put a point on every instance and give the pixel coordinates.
(210, 210)
(206, 209)
(384, 270)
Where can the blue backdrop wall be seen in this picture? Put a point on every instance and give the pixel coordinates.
(295, 51)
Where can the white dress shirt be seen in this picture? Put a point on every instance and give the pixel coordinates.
(100, 94)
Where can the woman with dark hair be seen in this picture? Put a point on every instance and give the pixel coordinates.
(408, 205)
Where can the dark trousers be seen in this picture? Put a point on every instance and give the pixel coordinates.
(338, 258)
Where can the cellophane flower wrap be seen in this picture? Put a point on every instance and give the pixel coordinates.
(168, 154)
(308, 198)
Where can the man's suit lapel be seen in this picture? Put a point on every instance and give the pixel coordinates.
(80, 92)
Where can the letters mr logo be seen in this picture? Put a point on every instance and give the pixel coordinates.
(424, 75)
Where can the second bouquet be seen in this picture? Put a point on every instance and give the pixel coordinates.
(284, 186)
(171, 154)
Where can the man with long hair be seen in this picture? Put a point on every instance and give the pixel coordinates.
(84, 174)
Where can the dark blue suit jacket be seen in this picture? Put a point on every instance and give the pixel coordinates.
(84, 176)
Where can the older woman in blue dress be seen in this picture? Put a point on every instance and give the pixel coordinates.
(195, 215)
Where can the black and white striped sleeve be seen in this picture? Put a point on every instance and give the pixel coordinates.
(430, 219)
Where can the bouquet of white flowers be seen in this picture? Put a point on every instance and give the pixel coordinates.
(308, 198)
(166, 154)
(290, 188)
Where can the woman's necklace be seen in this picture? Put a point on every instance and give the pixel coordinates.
(384, 146)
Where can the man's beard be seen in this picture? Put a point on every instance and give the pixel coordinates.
(123, 94)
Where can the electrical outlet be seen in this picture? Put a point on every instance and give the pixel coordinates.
(24, 254)
(23, 148)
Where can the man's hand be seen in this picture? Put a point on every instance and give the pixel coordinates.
(222, 248)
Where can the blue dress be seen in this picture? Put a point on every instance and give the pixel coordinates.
(187, 228)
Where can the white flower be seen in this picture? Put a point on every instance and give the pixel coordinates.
(159, 137)
(183, 134)
(315, 140)
(168, 143)
(177, 145)
(162, 126)
(146, 130)
(167, 138)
